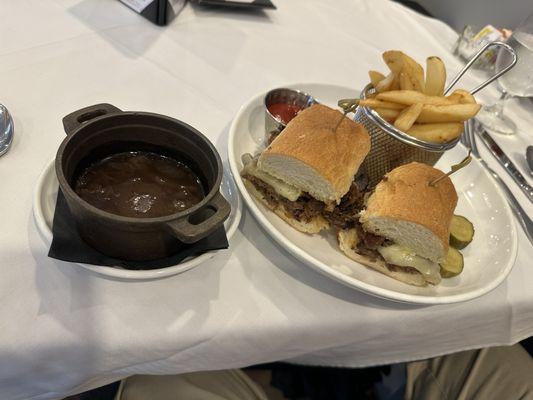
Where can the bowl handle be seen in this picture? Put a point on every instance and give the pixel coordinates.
(74, 120)
(187, 231)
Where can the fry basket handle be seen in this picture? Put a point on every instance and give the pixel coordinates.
(475, 57)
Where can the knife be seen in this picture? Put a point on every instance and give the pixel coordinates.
(505, 162)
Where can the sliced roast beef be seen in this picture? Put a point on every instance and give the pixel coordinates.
(397, 268)
(345, 215)
(304, 208)
(368, 240)
(368, 244)
(268, 192)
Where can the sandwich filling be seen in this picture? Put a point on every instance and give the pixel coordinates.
(300, 205)
(396, 257)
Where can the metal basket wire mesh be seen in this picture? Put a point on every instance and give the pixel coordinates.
(391, 147)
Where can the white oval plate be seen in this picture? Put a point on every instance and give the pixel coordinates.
(44, 203)
(488, 259)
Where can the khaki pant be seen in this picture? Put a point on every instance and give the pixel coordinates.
(504, 373)
(499, 373)
(214, 385)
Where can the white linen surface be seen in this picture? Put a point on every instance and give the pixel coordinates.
(64, 329)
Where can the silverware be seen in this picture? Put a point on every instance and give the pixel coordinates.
(468, 139)
(504, 161)
(6, 130)
(529, 158)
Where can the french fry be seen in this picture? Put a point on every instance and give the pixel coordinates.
(463, 97)
(375, 77)
(387, 114)
(405, 82)
(407, 117)
(394, 60)
(395, 83)
(409, 97)
(436, 133)
(386, 84)
(415, 101)
(455, 98)
(450, 113)
(375, 103)
(415, 72)
(435, 76)
(391, 82)
(399, 62)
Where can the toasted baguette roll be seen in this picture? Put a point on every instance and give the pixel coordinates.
(314, 157)
(407, 210)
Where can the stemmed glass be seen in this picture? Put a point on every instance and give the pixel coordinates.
(516, 82)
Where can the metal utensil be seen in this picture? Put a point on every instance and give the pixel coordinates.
(529, 158)
(6, 130)
(504, 161)
(468, 139)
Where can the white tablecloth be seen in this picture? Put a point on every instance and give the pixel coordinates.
(63, 328)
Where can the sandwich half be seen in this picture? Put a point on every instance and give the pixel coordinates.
(404, 230)
(306, 175)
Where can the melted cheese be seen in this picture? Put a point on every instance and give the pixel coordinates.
(282, 188)
(405, 257)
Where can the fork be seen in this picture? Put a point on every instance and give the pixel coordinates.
(468, 139)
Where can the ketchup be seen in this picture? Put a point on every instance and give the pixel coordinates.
(284, 112)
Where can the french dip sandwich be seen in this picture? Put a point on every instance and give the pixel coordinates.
(306, 175)
(404, 230)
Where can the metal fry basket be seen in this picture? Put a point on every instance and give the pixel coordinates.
(391, 147)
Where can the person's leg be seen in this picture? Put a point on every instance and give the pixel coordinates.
(492, 373)
(215, 385)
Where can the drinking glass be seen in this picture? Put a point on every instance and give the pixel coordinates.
(516, 82)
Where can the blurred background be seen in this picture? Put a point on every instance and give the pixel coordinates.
(458, 13)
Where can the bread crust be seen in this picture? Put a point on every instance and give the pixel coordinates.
(405, 194)
(310, 138)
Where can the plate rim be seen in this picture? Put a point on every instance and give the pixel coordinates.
(353, 282)
(129, 274)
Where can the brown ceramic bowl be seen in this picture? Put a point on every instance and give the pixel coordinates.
(101, 130)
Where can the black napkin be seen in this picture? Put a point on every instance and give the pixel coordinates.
(230, 3)
(67, 245)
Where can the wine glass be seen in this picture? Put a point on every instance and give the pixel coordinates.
(516, 82)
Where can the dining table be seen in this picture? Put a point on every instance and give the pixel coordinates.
(65, 329)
